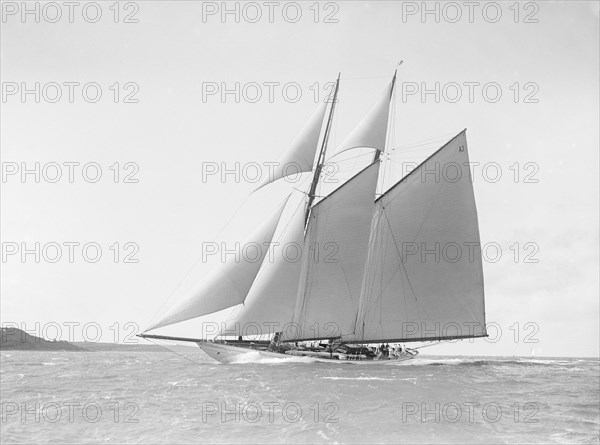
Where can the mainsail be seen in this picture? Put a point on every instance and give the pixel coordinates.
(228, 284)
(424, 279)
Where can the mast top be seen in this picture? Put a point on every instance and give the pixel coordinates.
(321, 158)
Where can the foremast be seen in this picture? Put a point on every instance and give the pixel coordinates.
(327, 291)
(321, 158)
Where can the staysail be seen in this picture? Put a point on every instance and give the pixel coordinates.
(228, 284)
(335, 248)
(424, 278)
(271, 300)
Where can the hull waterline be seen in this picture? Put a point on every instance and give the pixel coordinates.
(225, 353)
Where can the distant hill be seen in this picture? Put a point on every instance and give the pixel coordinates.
(132, 347)
(97, 346)
(16, 339)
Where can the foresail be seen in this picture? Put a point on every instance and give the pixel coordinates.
(335, 249)
(424, 278)
(227, 285)
(270, 303)
(371, 131)
(300, 155)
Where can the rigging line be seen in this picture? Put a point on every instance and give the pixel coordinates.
(381, 286)
(414, 147)
(437, 140)
(404, 161)
(382, 257)
(401, 150)
(406, 178)
(347, 284)
(301, 191)
(402, 265)
(383, 289)
(161, 308)
(355, 156)
(442, 136)
(434, 155)
(196, 362)
(366, 77)
(304, 286)
(434, 343)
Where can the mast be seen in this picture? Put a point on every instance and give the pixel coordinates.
(378, 152)
(321, 158)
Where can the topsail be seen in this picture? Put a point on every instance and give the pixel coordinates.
(299, 156)
(371, 131)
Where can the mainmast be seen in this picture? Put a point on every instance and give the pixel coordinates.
(378, 152)
(321, 158)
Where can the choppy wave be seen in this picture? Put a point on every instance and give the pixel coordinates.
(257, 358)
(12, 378)
(494, 362)
(361, 378)
(167, 396)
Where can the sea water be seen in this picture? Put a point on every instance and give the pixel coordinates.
(154, 397)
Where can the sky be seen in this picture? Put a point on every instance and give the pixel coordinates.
(528, 82)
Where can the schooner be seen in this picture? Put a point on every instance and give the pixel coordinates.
(385, 283)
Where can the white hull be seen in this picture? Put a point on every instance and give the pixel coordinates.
(233, 354)
(225, 353)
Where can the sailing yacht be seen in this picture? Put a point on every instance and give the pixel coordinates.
(386, 280)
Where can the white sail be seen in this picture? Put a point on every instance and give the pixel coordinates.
(404, 267)
(228, 284)
(272, 298)
(335, 249)
(300, 155)
(372, 129)
(424, 276)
